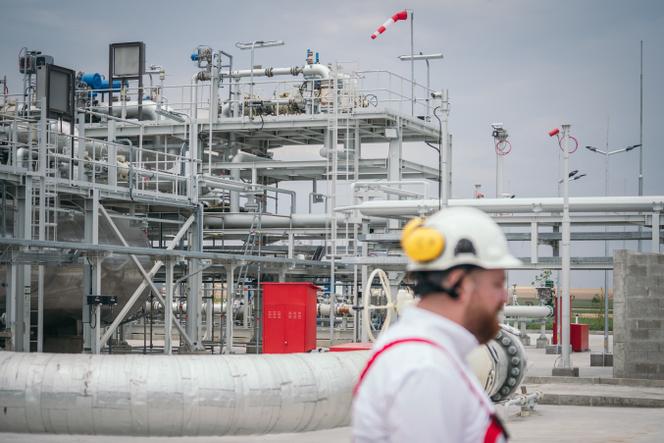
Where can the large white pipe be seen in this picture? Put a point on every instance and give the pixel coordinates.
(176, 395)
(235, 220)
(386, 208)
(206, 394)
(525, 311)
(148, 111)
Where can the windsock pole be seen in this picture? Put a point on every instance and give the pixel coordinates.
(412, 66)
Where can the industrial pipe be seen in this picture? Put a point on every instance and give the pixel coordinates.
(339, 309)
(542, 311)
(394, 208)
(501, 364)
(148, 112)
(245, 220)
(309, 71)
(176, 395)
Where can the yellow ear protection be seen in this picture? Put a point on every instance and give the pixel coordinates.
(420, 243)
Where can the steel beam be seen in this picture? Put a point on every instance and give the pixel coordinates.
(146, 277)
(139, 290)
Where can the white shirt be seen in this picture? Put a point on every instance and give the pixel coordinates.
(413, 392)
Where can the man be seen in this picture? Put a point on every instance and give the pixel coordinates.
(417, 386)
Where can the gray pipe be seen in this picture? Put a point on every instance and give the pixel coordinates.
(176, 395)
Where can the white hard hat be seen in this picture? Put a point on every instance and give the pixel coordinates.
(454, 237)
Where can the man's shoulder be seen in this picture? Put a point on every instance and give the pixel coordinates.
(410, 350)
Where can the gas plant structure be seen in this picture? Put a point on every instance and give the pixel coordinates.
(143, 218)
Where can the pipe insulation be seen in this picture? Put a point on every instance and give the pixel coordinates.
(394, 208)
(176, 395)
(162, 395)
(245, 220)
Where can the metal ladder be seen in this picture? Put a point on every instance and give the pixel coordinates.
(249, 248)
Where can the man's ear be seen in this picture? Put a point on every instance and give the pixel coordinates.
(453, 278)
(467, 286)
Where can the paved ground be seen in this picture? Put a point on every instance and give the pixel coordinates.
(549, 422)
(558, 424)
(541, 364)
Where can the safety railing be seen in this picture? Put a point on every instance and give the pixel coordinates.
(393, 92)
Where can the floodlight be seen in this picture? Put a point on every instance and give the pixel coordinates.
(56, 85)
(127, 60)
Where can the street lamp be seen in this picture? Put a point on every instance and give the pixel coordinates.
(573, 175)
(253, 45)
(426, 58)
(606, 155)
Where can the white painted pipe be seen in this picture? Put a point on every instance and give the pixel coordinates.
(246, 157)
(543, 311)
(308, 71)
(387, 208)
(316, 71)
(340, 309)
(236, 220)
(149, 111)
(176, 395)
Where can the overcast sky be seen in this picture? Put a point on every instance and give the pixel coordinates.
(530, 64)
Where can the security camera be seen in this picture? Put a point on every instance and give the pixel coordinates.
(437, 94)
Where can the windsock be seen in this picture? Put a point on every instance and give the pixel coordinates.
(401, 15)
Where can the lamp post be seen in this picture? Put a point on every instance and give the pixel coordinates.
(606, 155)
(253, 45)
(502, 147)
(426, 58)
(564, 138)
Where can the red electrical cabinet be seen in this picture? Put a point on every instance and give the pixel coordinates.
(578, 334)
(289, 317)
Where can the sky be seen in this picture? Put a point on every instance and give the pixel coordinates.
(532, 65)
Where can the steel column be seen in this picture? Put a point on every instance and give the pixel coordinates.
(22, 290)
(92, 273)
(168, 308)
(533, 242)
(195, 279)
(230, 290)
(655, 226)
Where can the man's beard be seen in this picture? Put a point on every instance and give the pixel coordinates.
(481, 322)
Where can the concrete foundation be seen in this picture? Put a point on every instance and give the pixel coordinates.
(601, 359)
(638, 306)
(565, 372)
(542, 342)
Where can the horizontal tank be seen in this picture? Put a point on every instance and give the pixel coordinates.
(64, 283)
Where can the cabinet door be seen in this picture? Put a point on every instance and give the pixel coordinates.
(295, 328)
(274, 329)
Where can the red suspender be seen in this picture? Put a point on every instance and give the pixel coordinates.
(385, 348)
(431, 343)
(495, 429)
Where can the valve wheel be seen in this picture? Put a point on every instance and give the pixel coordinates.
(371, 311)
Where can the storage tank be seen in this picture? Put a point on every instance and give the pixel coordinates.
(63, 284)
